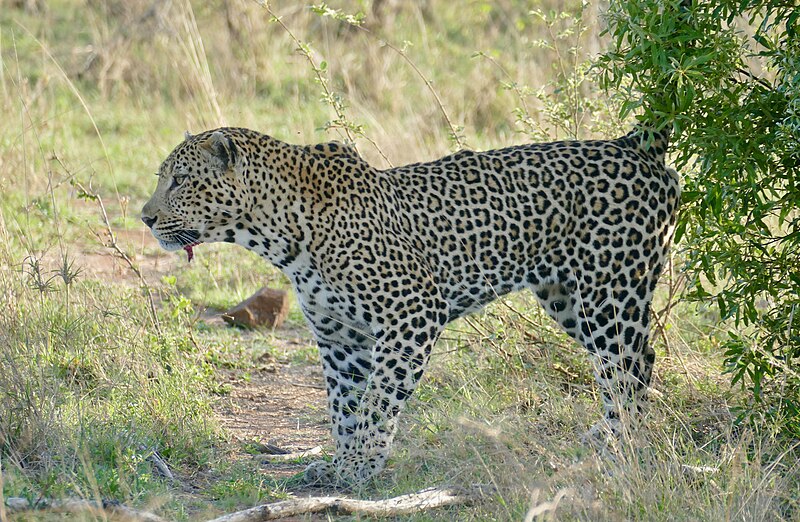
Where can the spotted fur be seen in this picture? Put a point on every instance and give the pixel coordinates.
(382, 260)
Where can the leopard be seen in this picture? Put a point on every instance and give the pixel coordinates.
(381, 260)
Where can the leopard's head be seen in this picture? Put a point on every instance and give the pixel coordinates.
(200, 193)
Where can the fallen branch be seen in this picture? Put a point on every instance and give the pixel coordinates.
(405, 504)
(75, 506)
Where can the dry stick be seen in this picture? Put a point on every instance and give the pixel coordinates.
(405, 504)
(312, 386)
(675, 286)
(76, 506)
(112, 244)
(662, 317)
(286, 457)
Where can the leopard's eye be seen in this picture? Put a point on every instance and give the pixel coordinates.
(177, 181)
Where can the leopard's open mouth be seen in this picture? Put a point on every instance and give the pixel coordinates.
(190, 238)
(182, 239)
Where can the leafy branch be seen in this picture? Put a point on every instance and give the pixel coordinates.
(726, 76)
(356, 22)
(333, 99)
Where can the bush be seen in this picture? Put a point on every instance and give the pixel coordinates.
(726, 76)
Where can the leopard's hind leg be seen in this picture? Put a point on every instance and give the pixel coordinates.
(614, 325)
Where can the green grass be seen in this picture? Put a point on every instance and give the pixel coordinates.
(93, 382)
(86, 390)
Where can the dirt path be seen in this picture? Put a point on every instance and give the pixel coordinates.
(283, 405)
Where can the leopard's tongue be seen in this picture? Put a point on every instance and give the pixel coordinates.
(189, 252)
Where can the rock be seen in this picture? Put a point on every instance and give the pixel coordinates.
(267, 307)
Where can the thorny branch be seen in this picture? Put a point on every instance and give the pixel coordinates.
(111, 243)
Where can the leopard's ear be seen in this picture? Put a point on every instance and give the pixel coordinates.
(187, 135)
(220, 147)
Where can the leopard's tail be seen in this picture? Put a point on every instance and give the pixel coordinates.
(650, 140)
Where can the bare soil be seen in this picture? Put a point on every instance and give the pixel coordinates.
(281, 405)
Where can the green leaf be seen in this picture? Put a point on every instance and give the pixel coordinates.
(761, 39)
(690, 196)
(791, 24)
(680, 230)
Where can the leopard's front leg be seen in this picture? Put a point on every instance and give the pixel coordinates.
(346, 355)
(369, 381)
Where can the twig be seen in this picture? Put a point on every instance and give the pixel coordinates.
(75, 506)
(429, 84)
(486, 336)
(295, 455)
(312, 386)
(337, 107)
(113, 245)
(405, 504)
(661, 317)
(303, 49)
(454, 131)
(661, 331)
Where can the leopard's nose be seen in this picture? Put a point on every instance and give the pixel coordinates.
(149, 221)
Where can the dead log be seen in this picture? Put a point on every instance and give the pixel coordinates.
(424, 500)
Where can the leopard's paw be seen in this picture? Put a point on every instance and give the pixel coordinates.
(322, 473)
